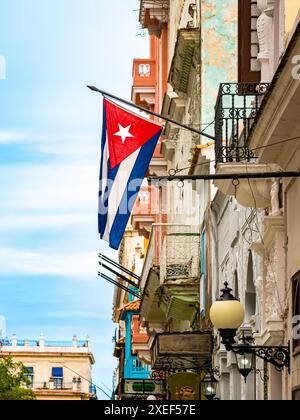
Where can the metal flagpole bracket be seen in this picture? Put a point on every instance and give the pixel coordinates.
(140, 108)
(235, 177)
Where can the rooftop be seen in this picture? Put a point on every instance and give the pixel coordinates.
(131, 306)
(41, 342)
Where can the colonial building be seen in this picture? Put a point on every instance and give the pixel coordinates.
(254, 244)
(230, 69)
(57, 370)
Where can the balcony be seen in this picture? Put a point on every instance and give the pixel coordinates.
(171, 272)
(237, 111)
(174, 250)
(186, 55)
(237, 107)
(153, 14)
(144, 82)
(188, 350)
(135, 369)
(55, 385)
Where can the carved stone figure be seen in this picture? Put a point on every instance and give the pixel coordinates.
(265, 32)
(258, 283)
(272, 304)
(275, 205)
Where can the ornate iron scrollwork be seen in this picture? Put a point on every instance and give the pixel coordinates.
(177, 270)
(236, 110)
(279, 356)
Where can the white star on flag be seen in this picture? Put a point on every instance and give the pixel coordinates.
(124, 133)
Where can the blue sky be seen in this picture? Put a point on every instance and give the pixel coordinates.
(49, 161)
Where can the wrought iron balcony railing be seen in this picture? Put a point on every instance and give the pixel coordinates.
(61, 386)
(236, 110)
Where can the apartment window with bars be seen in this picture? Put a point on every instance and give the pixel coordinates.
(248, 45)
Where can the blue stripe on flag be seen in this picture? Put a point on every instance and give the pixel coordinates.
(111, 175)
(138, 174)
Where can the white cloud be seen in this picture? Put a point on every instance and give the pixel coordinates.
(44, 221)
(12, 137)
(31, 137)
(57, 187)
(64, 144)
(25, 262)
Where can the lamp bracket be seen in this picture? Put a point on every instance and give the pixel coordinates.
(279, 356)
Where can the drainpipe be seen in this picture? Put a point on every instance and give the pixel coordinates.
(128, 344)
(286, 380)
(214, 225)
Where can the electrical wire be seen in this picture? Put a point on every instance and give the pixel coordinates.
(85, 379)
(275, 144)
(198, 125)
(177, 171)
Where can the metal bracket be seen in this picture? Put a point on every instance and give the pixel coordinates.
(279, 356)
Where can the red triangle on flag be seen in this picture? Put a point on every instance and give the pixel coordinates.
(126, 132)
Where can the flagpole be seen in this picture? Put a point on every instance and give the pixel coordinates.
(215, 177)
(140, 108)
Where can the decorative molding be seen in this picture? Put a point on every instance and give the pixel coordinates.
(266, 38)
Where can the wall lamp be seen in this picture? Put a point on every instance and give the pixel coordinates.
(209, 386)
(227, 315)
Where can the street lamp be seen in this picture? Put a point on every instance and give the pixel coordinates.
(227, 315)
(245, 362)
(210, 385)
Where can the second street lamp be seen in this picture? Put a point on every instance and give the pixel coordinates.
(209, 386)
(245, 362)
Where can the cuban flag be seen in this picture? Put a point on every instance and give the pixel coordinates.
(127, 146)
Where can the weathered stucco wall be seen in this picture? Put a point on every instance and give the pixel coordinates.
(219, 51)
(292, 8)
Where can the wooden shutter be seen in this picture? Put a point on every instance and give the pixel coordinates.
(249, 66)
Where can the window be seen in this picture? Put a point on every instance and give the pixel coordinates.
(203, 276)
(250, 298)
(58, 377)
(296, 309)
(144, 70)
(137, 365)
(248, 45)
(236, 285)
(30, 377)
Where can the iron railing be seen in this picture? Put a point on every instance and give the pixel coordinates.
(57, 386)
(236, 109)
(174, 250)
(36, 343)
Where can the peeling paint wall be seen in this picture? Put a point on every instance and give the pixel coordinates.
(219, 27)
(292, 8)
(175, 16)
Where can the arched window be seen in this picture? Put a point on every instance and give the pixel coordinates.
(250, 298)
(236, 285)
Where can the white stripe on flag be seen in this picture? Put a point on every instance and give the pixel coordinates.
(118, 189)
(104, 169)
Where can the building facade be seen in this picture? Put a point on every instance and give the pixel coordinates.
(232, 70)
(251, 218)
(57, 370)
